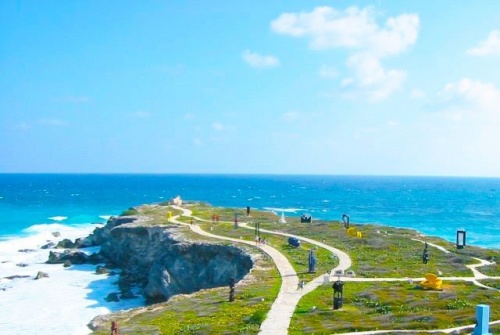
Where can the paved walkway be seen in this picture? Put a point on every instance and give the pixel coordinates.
(279, 316)
(433, 245)
(344, 259)
(473, 267)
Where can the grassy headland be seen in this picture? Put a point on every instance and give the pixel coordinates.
(382, 252)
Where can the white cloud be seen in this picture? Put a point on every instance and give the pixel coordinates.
(463, 135)
(392, 123)
(370, 75)
(483, 97)
(356, 30)
(218, 126)
(189, 116)
(23, 126)
(417, 94)
(328, 72)
(197, 142)
(346, 82)
(490, 46)
(141, 115)
(353, 28)
(54, 122)
(291, 116)
(260, 61)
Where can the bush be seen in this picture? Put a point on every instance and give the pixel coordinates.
(458, 304)
(257, 317)
(130, 211)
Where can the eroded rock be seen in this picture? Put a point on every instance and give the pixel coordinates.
(41, 275)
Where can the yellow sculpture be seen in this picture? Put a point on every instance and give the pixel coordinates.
(431, 282)
(353, 232)
(169, 215)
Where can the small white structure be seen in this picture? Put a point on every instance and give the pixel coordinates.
(350, 273)
(177, 201)
(282, 218)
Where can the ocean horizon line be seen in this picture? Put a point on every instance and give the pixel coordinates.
(219, 174)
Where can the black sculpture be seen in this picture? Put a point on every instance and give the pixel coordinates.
(231, 289)
(338, 292)
(305, 218)
(312, 261)
(425, 255)
(345, 218)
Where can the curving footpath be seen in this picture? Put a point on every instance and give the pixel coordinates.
(281, 312)
(473, 267)
(278, 318)
(344, 259)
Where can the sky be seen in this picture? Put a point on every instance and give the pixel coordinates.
(250, 87)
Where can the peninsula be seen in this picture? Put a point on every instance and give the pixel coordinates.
(183, 257)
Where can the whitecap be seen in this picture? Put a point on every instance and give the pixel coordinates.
(286, 210)
(58, 218)
(80, 292)
(45, 230)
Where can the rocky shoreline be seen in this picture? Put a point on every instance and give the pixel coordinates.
(159, 259)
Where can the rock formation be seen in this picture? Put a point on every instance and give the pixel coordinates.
(41, 275)
(165, 263)
(159, 259)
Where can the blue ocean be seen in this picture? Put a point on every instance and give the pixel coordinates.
(432, 205)
(33, 207)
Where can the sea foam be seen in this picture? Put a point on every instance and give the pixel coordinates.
(58, 218)
(63, 303)
(286, 210)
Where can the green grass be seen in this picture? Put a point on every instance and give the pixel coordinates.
(209, 311)
(382, 252)
(298, 257)
(494, 283)
(400, 305)
(490, 270)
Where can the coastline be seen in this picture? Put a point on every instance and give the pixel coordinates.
(392, 273)
(73, 296)
(79, 282)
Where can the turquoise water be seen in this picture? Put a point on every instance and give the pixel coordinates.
(434, 206)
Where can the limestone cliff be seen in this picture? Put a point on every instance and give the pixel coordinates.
(163, 261)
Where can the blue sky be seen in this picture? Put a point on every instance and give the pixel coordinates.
(281, 87)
